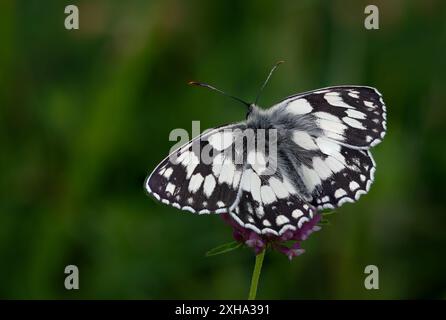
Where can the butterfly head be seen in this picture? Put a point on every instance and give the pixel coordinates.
(251, 107)
(253, 111)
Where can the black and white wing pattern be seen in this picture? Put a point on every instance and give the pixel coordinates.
(354, 116)
(334, 129)
(330, 174)
(238, 178)
(321, 160)
(270, 203)
(200, 176)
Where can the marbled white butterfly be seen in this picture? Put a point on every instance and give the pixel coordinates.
(318, 157)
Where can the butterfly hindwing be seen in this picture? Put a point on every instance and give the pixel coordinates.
(328, 174)
(269, 203)
(349, 183)
(335, 174)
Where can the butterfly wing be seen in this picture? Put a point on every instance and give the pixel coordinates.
(270, 203)
(330, 174)
(200, 176)
(329, 143)
(354, 116)
(236, 179)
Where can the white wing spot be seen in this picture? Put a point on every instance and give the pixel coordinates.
(257, 161)
(267, 195)
(236, 180)
(278, 188)
(328, 147)
(327, 116)
(304, 140)
(281, 220)
(249, 207)
(353, 185)
(335, 100)
(336, 162)
(321, 168)
(332, 126)
(170, 188)
(227, 172)
(217, 164)
(260, 212)
(168, 173)
(299, 106)
(221, 140)
(245, 183)
(353, 123)
(195, 182)
(183, 157)
(340, 193)
(352, 113)
(297, 213)
(255, 187)
(310, 177)
(191, 165)
(369, 104)
(209, 185)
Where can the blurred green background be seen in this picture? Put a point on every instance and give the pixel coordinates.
(86, 114)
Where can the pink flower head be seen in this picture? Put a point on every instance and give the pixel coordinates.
(259, 242)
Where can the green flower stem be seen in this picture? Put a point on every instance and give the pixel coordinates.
(256, 275)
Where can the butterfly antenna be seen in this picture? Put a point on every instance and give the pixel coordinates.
(267, 79)
(205, 85)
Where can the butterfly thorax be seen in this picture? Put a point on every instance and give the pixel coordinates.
(258, 118)
(280, 120)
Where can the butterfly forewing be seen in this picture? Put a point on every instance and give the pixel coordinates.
(200, 176)
(352, 115)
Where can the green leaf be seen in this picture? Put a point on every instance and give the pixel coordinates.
(324, 222)
(327, 213)
(223, 248)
